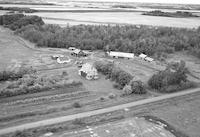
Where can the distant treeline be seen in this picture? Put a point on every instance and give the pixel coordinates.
(18, 9)
(153, 41)
(17, 21)
(172, 6)
(26, 3)
(180, 14)
(123, 6)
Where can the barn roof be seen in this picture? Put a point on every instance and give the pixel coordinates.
(121, 54)
(77, 51)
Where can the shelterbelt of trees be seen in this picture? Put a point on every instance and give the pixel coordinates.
(130, 38)
(26, 10)
(18, 21)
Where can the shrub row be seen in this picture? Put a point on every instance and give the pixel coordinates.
(32, 84)
(114, 73)
(14, 75)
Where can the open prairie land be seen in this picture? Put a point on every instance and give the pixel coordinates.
(123, 18)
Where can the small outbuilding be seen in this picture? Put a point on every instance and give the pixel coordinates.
(88, 71)
(63, 60)
(142, 56)
(120, 55)
(78, 53)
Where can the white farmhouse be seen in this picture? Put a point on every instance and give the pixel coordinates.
(88, 71)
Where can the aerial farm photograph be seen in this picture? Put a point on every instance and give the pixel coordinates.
(99, 68)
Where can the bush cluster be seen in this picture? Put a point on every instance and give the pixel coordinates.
(14, 75)
(32, 83)
(173, 78)
(114, 73)
(23, 134)
(76, 105)
(17, 21)
(134, 87)
(181, 86)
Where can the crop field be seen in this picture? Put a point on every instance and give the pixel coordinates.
(170, 118)
(116, 18)
(134, 127)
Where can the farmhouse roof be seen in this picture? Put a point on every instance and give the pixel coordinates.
(121, 54)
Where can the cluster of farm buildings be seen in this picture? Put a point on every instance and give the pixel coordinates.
(88, 70)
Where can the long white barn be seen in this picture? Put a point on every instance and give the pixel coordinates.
(120, 55)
